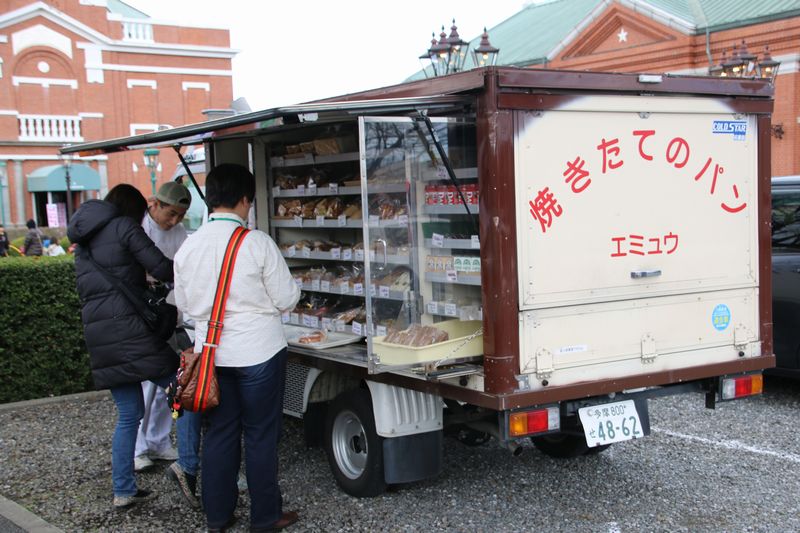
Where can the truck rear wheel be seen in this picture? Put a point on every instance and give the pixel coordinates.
(354, 448)
(565, 445)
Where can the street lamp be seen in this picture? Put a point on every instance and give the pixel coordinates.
(485, 55)
(151, 162)
(743, 64)
(66, 162)
(448, 55)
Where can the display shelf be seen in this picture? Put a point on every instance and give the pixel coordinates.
(450, 209)
(453, 244)
(311, 159)
(451, 310)
(358, 289)
(440, 173)
(327, 190)
(344, 254)
(458, 278)
(330, 223)
(397, 222)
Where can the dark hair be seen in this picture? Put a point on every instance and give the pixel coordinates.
(30, 223)
(227, 184)
(128, 200)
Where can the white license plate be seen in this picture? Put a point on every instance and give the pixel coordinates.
(610, 422)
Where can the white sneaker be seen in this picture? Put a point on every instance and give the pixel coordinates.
(142, 462)
(167, 454)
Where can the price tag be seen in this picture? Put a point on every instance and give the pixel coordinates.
(325, 286)
(276, 191)
(298, 220)
(312, 190)
(358, 289)
(320, 220)
(310, 321)
(432, 308)
(327, 324)
(476, 242)
(336, 253)
(291, 251)
(374, 220)
(403, 220)
(383, 291)
(301, 189)
(381, 331)
(342, 221)
(344, 287)
(294, 318)
(306, 251)
(359, 255)
(450, 309)
(315, 285)
(285, 317)
(299, 282)
(340, 325)
(441, 172)
(437, 240)
(333, 188)
(347, 254)
(451, 276)
(358, 328)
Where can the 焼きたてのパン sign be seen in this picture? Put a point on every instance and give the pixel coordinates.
(624, 197)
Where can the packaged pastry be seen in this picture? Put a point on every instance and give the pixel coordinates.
(417, 335)
(315, 336)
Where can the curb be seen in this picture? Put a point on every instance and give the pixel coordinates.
(82, 396)
(24, 519)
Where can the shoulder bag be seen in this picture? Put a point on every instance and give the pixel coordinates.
(197, 388)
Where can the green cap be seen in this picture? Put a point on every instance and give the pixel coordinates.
(173, 193)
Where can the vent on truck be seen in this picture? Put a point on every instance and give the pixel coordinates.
(296, 376)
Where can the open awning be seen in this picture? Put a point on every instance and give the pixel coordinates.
(52, 178)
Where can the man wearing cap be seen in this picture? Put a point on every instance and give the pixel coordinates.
(162, 224)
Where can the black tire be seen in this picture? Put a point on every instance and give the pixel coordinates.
(355, 450)
(565, 445)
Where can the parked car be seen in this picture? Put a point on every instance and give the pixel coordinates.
(786, 274)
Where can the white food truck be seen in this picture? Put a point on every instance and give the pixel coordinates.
(508, 253)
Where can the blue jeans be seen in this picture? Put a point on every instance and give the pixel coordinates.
(251, 401)
(130, 406)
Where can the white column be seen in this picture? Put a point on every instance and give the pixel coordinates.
(19, 186)
(4, 198)
(102, 167)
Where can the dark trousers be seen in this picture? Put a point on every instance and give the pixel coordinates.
(251, 402)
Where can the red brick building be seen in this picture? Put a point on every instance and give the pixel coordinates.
(79, 70)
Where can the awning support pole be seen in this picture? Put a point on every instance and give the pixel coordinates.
(177, 148)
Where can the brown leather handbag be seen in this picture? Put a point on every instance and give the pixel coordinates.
(198, 389)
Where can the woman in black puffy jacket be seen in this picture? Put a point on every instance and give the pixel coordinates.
(122, 349)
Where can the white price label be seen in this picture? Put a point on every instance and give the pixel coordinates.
(333, 188)
(276, 191)
(358, 328)
(327, 324)
(344, 287)
(359, 255)
(325, 286)
(432, 308)
(312, 190)
(347, 254)
(358, 289)
(298, 220)
(340, 325)
(299, 282)
(450, 309)
(381, 331)
(437, 240)
(301, 189)
(310, 321)
(336, 253)
(403, 220)
(476, 242)
(294, 318)
(306, 251)
(285, 317)
(383, 291)
(320, 220)
(315, 285)
(374, 220)
(342, 221)
(441, 172)
(451, 276)
(291, 251)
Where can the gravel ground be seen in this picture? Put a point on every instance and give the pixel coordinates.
(732, 469)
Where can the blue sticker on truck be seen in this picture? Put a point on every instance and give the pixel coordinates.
(737, 128)
(721, 317)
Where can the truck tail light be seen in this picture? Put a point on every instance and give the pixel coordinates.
(741, 386)
(524, 423)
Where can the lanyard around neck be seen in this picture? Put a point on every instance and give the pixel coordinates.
(214, 218)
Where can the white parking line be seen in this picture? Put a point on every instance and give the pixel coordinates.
(730, 444)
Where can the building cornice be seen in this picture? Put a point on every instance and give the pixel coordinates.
(40, 9)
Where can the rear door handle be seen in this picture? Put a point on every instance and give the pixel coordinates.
(636, 274)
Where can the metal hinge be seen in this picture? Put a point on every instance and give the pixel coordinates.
(544, 363)
(648, 348)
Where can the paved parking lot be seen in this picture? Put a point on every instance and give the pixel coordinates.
(732, 469)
